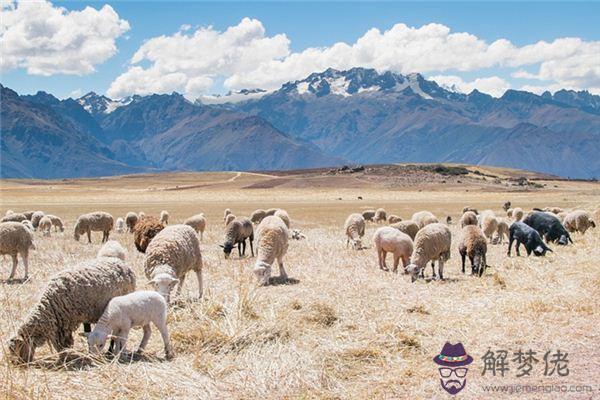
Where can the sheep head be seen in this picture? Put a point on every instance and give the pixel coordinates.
(96, 340)
(413, 270)
(21, 350)
(163, 283)
(262, 271)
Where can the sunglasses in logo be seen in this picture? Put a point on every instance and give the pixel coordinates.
(459, 372)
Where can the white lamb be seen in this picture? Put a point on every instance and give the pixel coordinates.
(432, 243)
(272, 237)
(164, 217)
(389, 239)
(125, 312)
(120, 225)
(355, 230)
(112, 248)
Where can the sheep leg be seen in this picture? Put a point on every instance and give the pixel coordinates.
(89, 235)
(282, 273)
(199, 277)
(240, 249)
(251, 246)
(14, 266)
(180, 285)
(25, 257)
(473, 268)
(463, 256)
(162, 328)
(405, 262)
(380, 258)
(244, 247)
(441, 269)
(517, 248)
(396, 262)
(347, 241)
(510, 243)
(145, 338)
(433, 269)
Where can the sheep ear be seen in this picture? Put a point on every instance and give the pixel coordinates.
(221, 246)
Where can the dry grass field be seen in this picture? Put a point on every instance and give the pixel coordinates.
(342, 329)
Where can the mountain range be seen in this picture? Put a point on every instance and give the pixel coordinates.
(328, 118)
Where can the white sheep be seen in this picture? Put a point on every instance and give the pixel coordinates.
(502, 231)
(226, 213)
(36, 217)
(578, 221)
(392, 219)
(198, 222)
(15, 239)
(236, 233)
(489, 225)
(125, 312)
(120, 225)
(391, 240)
(45, 225)
(171, 254)
(409, 227)
(14, 217)
(229, 218)
(257, 216)
(468, 218)
(473, 244)
(354, 227)
(57, 223)
(27, 223)
(112, 248)
(423, 218)
(432, 243)
(96, 221)
(130, 220)
(517, 213)
(8, 212)
(272, 238)
(380, 215)
(284, 216)
(164, 217)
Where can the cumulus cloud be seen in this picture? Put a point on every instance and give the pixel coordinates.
(47, 40)
(243, 56)
(493, 85)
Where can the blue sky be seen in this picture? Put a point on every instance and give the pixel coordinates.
(319, 24)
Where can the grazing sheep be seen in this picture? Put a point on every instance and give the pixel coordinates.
(355, 230)
(144, 231)
(506, 206)
(392, 219)
(226, 213)
(14, 217)
(198, 222)
(368, 215)
(130, 220)
(45, 225)
(164, 217)
(257, 216)
(237, 232)
(409, 227)
(74, 296)
(578, 221)
(501, 231)
(170, 256)
(380, 215)
(120, 225)
(549, 227)
(517, 213)
(28, 224)
(36, 217)
(29, 214)
(271, 211)
(297, 235)
(529, 237)
(57, 223)
(469, 208)
(284, 217)
(272, 244)
(489, 225)
(423, 218)
(112, 248)
(96, 221)
(509, 213)
(391, 240)
(468, 218)
(137, 309)
(15, 239)
(473, 244)
(432, 243)
(229, 218)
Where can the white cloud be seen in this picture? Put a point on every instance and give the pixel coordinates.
(243, 56)
(492, 85)
(75, 94)
(47, 40)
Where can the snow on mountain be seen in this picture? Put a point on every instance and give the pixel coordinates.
(96, 104)
(232, 97)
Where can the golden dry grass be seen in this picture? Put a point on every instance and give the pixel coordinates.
(345, 330)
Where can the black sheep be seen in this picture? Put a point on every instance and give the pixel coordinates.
(529, 237)
(549, 227)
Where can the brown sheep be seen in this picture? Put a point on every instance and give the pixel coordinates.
(473, 244)
(144, 231)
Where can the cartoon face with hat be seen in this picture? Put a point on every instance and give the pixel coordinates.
(453, 371)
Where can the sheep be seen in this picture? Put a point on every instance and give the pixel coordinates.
(74, 296)
(354, 227)
(409, 227)
(506, 206)
(8, 212)
(164, 217)
(29, 214)
(553, 210)
(272, 244)
(432, 243)
(380, 215)
(448, 220)
(45, 225)
(297, 235)
(131, 219)
(14, 217)
(578, 221)
(489, 225)
(226, 213)
(271, 211)
(501, 231)
(172, 253)
(468, 218)
(120, 225)
(529, 237)
(517, 213)
(562, 215)
(16, 239)
(229, 218)
(392, 219)
(423, 218)
(198, 222)
(257, 216)
(284, 217)
(112, 248)
(95, 221)
(368, 215)
(27, 223)
(237, 232)
(141, 215)
(36, 217)
(473, 244)
(388, 239)
(549, 227)
(125, 312)
(57, 223)
(144, 230)
(509, 213)
(469, 208)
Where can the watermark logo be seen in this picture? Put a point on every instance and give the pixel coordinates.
(452, 362)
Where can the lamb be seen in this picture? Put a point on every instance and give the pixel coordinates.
(131, 219)
(432, 243)
(409, 227)
(144, 231)
(57, 223)
(355, 230)
(36, 217)
(368, 215)
(489, 225)
(469, 208)
(14, 217)
(237, 232)
(229, 218)
(380, 215)
(112, 248)
(95, 221)
(172, 253)
(45, 225)
(27, 223)
(164, 217)
(468, 218)
(257, 216)
(388, 239)
(579, 221)
(198, 222)
(297, 235)
(509, 213)
(517, 213)
(125, 312)
(473, 244)
(272, 238)
(423, 218)
(74, 296)
(16, 239)
(549, 227)
(501, 230)
(392, 219)
(529, 237)
(120, 225)
(271, 211)
(284, 217)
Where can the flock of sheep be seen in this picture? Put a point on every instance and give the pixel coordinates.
(102, 291)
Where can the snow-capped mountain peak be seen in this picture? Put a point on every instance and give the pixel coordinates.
(97, 104)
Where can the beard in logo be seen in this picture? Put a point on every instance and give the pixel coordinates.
(453, 386)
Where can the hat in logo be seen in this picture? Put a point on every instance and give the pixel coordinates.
(453, 355)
